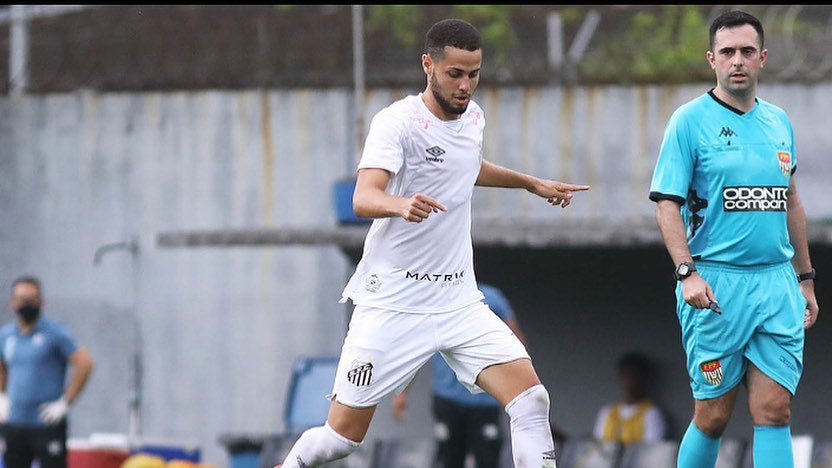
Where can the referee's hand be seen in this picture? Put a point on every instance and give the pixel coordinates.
(807, 288)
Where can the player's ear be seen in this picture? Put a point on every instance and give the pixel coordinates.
(427, 64)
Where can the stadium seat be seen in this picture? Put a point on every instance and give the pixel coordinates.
(587, 452)
(404, 453)
(306, 406)
(306, 403)
(659, 454)
(822, 454)
(275, 448)
(802, 447)
(731, 453)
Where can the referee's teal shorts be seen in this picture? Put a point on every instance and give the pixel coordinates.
(761, 321)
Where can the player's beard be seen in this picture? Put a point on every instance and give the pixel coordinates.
(445, 104)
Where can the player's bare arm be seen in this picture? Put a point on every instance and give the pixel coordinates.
(801, 261)
(556, 193)
(370, 199)
(697, 292)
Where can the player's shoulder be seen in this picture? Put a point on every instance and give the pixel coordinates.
(399, 113)
(474, 108)
(402, 107)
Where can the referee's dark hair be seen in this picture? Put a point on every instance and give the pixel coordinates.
(732, 19)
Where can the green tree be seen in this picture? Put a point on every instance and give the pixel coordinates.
(667, 46)
(403, 23)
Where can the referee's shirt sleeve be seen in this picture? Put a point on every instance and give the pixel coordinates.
(674, 166)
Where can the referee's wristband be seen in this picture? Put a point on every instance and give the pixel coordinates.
(806, 276)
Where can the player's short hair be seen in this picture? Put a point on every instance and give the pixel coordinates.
(451, 32)
(732, 19)
(27, 279)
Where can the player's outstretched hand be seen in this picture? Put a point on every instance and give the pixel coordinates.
(419, 207)
(557, 193)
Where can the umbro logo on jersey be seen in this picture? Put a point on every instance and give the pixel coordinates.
(435, 152)
(727, 132)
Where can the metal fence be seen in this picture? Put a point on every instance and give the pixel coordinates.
(164, 47)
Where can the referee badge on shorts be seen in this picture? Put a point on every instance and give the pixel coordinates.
(372, 283)
(360, 374)
(785, 159)
(712, 370)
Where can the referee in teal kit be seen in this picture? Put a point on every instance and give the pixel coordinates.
(733, 224)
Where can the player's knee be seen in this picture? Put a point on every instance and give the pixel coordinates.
(711, 423)
(532, 404)
(776, 411)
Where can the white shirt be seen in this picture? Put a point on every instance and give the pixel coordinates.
(427, 266)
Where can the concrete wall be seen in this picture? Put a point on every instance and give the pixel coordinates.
(220, 327)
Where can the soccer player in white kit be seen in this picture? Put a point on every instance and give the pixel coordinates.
(414, 288)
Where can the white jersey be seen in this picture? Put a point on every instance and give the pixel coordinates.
(428, 266)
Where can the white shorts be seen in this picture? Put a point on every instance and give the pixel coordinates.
(384, 349)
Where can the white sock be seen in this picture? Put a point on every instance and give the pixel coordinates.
(317, 446)
(531, 434)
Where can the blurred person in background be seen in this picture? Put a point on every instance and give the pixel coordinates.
(414, 289)
(635, 418)
(35, 353)
(733, 223)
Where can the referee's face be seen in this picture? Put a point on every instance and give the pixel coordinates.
(737, 58)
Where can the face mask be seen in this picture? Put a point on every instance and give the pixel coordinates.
(29, 313)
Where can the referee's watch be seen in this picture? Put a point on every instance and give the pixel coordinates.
(684, 270)
(806, 276)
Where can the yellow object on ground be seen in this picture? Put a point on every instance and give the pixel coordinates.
(141, 460)
(181, 464)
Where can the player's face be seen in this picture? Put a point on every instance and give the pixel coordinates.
(737, 59)
(453, 79)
